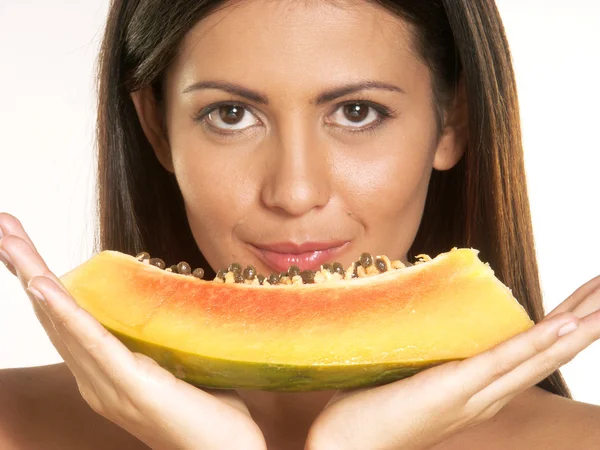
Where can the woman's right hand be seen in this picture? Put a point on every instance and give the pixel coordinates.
(428, 408)
(129, 389)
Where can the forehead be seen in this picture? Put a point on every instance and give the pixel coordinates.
(283, 42)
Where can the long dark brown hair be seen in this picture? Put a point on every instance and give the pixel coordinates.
(481, 203)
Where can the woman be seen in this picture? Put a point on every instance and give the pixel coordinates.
(278, 133)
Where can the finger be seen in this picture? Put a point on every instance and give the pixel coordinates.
(93, 346)
(94, 386)
(487, 367)
(53, 333)
(5, 259)
(86, 387)
(9, 224)
(26, 260)
(576, 298)
(589, 305)
(29, 264)
(543, 364)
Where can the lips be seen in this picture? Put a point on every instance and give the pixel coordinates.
(307, 256)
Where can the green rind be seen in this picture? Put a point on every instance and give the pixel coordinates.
(214, 373)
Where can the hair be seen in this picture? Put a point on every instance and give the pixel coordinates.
(480, 203)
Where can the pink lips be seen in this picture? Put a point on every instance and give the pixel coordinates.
(307, 256)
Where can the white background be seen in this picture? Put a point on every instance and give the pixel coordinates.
(47, 58)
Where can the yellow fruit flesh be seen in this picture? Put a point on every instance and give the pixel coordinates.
(335, 335)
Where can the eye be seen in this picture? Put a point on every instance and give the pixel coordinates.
(356, 115)
(231, 117)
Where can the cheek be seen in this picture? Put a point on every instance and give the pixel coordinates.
(217, 191)
(385, 186)
(388, 179)
(211, 179)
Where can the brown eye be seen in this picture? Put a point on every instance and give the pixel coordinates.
(231, 118)
(231, 114)
(355, 115)
(356, 112)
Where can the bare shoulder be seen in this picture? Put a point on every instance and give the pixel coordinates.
(535, 420)
(563, 422)
(40, 407)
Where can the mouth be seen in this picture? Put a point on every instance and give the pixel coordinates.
(307, 256)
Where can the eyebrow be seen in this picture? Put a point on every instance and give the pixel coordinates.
(334, 93)
(324, 97)
(235, 89)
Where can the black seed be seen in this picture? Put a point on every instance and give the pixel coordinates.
(261, 278)
(235, 268)
(221, 274)
(142, 256)
(249, 273)
(274, 278)
(293, 271)
(328, 267)
(366, 260)
(308, 276)
(184, 268)
(355, 272)
(173, 268)
(238, 277)
(157, 262)
(380, 265)
(198, 273)
(338, 268)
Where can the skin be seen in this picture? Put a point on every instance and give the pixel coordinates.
(294, 175)
(297, 174)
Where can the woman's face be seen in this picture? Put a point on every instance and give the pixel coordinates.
(301, 133)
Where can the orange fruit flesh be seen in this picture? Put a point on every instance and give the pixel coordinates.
(340, 334)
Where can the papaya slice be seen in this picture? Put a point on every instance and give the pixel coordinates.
(346, 333)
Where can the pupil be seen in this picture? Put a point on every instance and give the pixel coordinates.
(231, 114)
(356, 112)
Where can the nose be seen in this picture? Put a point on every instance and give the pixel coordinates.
(298, 179)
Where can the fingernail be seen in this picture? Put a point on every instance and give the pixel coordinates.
(37, 294)
(1, 233)
(566, 329)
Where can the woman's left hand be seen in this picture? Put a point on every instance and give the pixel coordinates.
(418, 412)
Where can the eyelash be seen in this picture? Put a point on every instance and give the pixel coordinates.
(384, 114)
(201, 115)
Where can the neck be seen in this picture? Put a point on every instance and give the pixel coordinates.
(285, 417)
